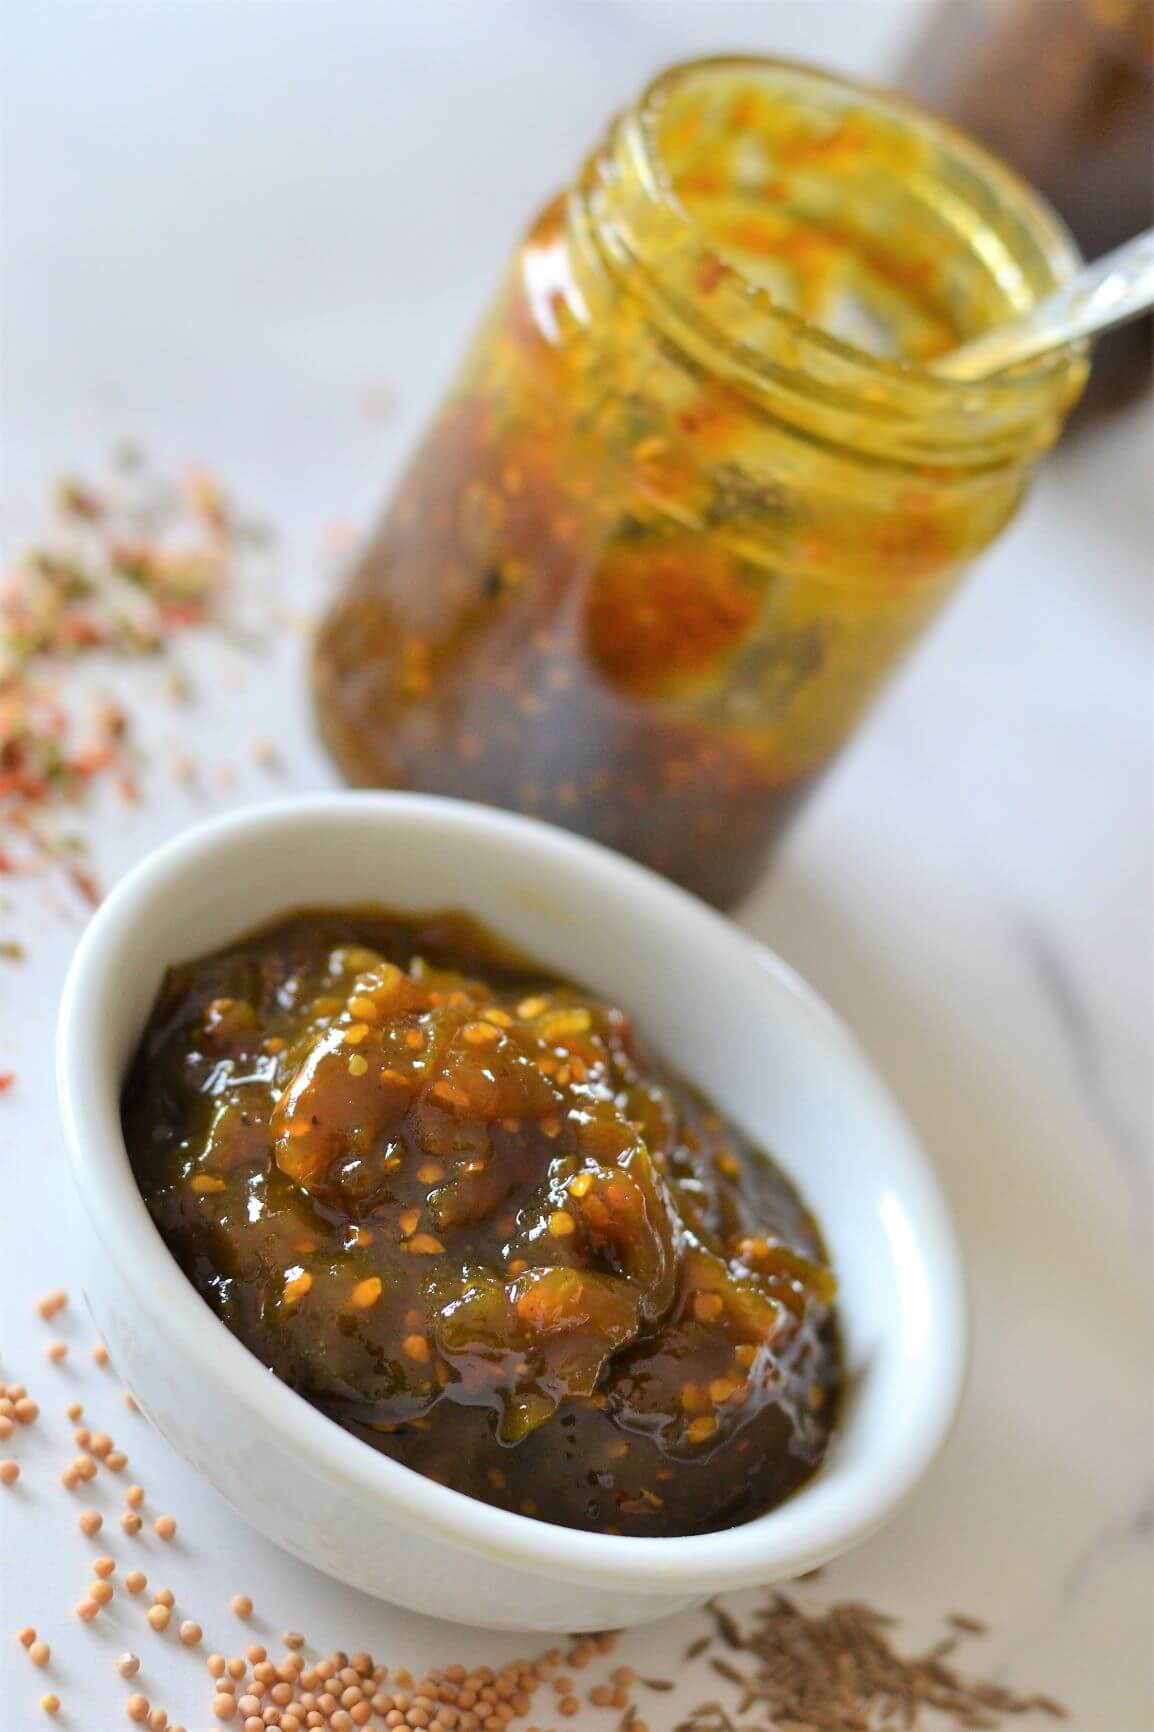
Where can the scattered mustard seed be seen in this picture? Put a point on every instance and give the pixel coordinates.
(39, 1653)
(104, 1566)
(131, 1522)
(52, 1303)
(136, 1581)
(128, 1665)
(50, 1702)
(137, 1707)
(9, 1472)
(56, 1351)
(100, 1354)
(90, 1521)
(159, 1617)
(164, 1597)
(165, 1526)
(190, 1633)
(134, 1496)
(241, 1606)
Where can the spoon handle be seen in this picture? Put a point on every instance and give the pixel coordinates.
(1115, 288)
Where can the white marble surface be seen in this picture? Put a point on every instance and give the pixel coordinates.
(232, 225)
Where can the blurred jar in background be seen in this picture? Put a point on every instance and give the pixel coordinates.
(697, 487)
(1064, 91)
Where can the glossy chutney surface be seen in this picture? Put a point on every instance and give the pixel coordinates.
(452, 1202)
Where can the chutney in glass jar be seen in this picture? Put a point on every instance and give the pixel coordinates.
(698, 487)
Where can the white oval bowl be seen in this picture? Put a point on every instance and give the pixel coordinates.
(725, 1012)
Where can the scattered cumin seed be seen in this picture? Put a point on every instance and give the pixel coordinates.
(837, 1670)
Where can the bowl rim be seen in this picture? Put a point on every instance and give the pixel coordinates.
(795, 1536)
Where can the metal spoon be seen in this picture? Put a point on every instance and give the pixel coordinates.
(1112, 290)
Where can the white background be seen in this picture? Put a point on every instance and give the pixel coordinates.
(236, 229)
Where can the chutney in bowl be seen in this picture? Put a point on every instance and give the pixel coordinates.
(777, 1062)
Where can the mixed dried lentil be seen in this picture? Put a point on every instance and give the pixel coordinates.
(124, 566)
(452, 1202)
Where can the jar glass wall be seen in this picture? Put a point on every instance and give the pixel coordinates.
(697, 487)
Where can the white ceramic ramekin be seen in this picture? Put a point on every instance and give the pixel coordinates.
(728, 1014)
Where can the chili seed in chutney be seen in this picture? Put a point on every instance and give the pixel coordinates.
(454, 1204)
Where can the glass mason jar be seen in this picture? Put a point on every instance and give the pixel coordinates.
(698, 487)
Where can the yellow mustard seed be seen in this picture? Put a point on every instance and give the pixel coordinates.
(296, 1289)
